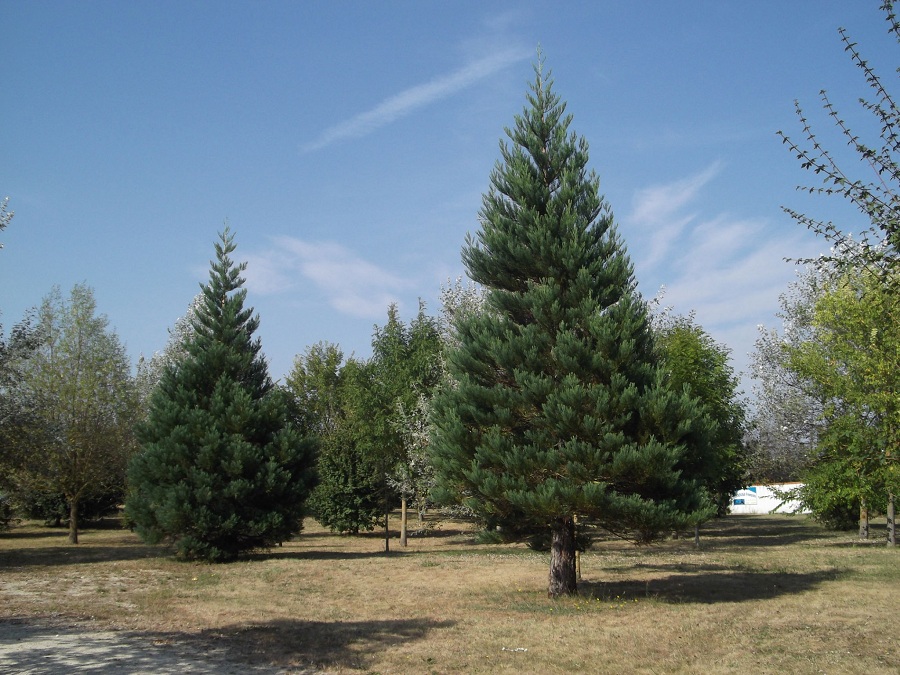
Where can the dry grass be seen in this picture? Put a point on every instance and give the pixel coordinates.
(771, 594)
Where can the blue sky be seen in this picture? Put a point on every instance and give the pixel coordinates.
(348, 145)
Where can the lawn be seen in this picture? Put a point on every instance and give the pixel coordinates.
(767, 594)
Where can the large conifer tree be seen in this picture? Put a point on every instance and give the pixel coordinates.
(221, 471)
(557, 407)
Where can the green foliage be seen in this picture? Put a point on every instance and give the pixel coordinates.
(556, 405)
(221, 470)
(77, 406)
(407, 369)
(853, 368)
(15, 408)
(349, 496)
(7, 512)
(367, 415)
(839, 478)
(696, 363)
(872, 256)
(53, 509)
(314, 383)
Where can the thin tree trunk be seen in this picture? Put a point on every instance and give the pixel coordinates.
(73, 521)
(403, 521)
(387, 534)
(696, 535)
(563, 579)
(577, 552)
(891, 525)
(863, 520)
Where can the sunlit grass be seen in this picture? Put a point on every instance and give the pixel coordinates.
(778, 592)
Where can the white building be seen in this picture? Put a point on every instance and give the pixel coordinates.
(766, 499)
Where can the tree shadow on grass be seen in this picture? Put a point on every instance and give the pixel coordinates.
(707, 584)
(756, 531)
(325, 645)
(78, 554)
(320, 554)
(263, 648)
(49, 533)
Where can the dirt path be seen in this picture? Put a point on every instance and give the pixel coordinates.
(34, 648)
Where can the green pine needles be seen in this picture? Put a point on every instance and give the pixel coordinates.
(557, 408)
(221, 471)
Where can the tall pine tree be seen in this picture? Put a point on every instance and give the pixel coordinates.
(221, 471)
(557, 407)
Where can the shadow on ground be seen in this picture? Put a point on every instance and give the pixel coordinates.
(316, 644)
(77, 554)
(707, 584)
(277, 646)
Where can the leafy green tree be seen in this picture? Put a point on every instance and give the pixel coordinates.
(556, 406)
(14, 351)
(79, 406)
(854, 369)
(314, 382)
(696, 363)
(23, 340)
(873, 253)
(366, 457)
(408, 367)
(349, 496)
(221, 471)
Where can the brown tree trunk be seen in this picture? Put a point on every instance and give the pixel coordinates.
(577, 552)
(73, 521)
(563, 579)
(696, 535)
(863, 520)
(403, 521)
(891, 524)
(387, 534)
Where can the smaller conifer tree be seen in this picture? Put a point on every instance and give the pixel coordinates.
(221, 470)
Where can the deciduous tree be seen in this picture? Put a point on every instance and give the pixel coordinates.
(853, 367)
(874, 253)
(80, 406)
(695, 362)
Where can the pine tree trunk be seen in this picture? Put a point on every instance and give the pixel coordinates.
(387, 534)
(403, 521)
(891, 525)
(577, 552)
(73, 521)
(563, 579)
(863, 520)
(697, 535)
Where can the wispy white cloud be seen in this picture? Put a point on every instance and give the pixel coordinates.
(412, 99)
(729, 271)
(351, 284)
(656, 209)
(658, 203)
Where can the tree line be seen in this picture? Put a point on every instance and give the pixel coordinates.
(547, 401)
(544, 393)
